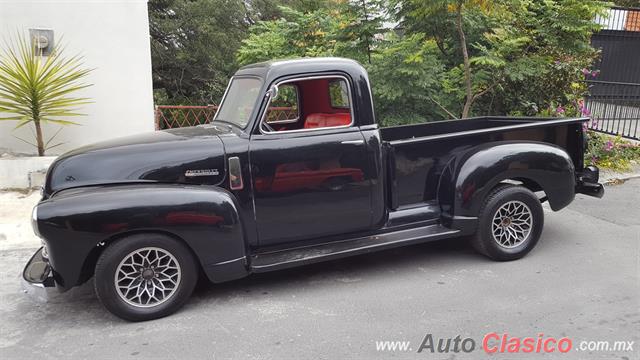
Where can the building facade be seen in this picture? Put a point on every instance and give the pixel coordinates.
(113, 38)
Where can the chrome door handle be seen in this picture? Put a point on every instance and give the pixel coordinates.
(355, 142)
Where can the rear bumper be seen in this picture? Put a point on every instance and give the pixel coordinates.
(587, 182)
(37, 277)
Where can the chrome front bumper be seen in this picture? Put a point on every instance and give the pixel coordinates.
(37, 277)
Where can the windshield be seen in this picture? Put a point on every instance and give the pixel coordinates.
(239, 101)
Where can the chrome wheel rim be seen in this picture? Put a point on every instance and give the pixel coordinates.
(512, 223)
(147, 277)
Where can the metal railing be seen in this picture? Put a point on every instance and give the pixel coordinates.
(177, 116)
(620, 18)
(615, 107)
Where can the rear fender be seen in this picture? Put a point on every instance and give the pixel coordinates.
(469, 177)
(75, 222)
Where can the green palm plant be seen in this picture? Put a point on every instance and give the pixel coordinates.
(36, 89)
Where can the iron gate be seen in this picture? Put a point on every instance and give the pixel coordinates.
(614, 98)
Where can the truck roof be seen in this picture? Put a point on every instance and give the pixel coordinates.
(276, 68)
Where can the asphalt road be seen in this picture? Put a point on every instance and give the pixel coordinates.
(581, 282)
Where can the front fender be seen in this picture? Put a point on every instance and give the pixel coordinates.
(75, 222)
(469, 177)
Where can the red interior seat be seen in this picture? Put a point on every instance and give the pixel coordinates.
(319, 120)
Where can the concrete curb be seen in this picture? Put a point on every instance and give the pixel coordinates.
(608, 177)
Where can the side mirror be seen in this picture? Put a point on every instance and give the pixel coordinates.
(273, 92)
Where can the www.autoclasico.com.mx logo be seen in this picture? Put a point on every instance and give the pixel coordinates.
(494, 342)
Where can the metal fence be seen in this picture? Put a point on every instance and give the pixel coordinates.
(620, 18)
(615, 107)
(176, 116)
(614, 99)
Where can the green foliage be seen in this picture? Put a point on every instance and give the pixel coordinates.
(35, 89)
(524, 56)
(193, 46)
(296, 34)
(194, 43)
(628, 3)
(340, 28)
(405, 76)
(546, 48)
(610, 152)
(358, 23)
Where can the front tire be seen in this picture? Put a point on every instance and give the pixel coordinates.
(145, 276)
(510, 223)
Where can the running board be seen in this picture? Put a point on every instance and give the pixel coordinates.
(282, 259)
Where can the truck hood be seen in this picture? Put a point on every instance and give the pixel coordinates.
(192, 155)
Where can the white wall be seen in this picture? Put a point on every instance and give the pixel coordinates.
(113, 36)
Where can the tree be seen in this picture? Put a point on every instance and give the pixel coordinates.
(406, 75)
(295, 34)
(547, 68)
(359, 23)
(500, 48)
(193, 46)
(456, 11)
(628, 3)
(36, 90)
(340, 28)
(450, 58)
(194, 43)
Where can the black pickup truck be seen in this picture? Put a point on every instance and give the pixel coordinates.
(292, 170)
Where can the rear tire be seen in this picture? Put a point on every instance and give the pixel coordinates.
(510, 223)
(145, 276)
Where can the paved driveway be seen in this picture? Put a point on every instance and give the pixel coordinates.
(581, 282)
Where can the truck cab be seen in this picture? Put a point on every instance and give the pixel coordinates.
(313, 152)
(293, 170)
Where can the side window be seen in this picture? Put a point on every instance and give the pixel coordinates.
(284, 108)
(309, 104)
(339, 94)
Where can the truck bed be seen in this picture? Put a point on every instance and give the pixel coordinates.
(462, 127)
(417, 154)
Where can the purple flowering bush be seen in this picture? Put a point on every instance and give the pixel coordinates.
(610, 152)
(604, 151)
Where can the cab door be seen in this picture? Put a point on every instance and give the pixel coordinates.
(310, 180)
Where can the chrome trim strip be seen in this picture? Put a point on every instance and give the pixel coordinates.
(284, 121)
(458, 217)
(224, 96)
(229, 261)
(533, 124)
(355, 142)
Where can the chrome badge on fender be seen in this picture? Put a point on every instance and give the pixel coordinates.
(201, 172)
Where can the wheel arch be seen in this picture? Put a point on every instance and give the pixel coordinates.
(89, 264)
(471, 176)
(78, 223)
